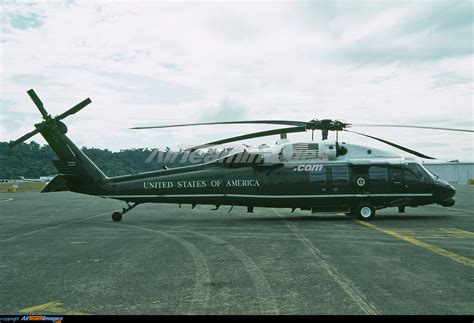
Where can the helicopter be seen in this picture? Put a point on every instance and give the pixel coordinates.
(319, 176)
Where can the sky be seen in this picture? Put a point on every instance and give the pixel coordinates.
(157, 63)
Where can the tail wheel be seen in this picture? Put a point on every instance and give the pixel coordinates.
(365, 211)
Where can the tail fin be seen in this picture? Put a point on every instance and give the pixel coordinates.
(79, 172)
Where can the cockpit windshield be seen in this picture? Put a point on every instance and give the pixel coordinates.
(429, 172)
(420, 172)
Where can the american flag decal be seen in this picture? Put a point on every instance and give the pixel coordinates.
(305, 151)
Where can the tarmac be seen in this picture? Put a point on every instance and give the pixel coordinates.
(62, 254)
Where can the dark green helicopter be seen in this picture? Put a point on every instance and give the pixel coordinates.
(318, 176)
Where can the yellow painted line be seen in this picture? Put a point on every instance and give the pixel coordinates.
(6, 199)
(51, 307)
(458, 233)
(40, 307)
(435, 233)
(440, 251)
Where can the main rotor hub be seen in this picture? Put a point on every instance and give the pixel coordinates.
(326, 125)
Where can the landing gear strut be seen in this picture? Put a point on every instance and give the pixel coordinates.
(117, 216)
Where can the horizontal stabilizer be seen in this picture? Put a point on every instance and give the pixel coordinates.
(58, 184)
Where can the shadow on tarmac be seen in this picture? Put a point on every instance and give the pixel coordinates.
(335, 218)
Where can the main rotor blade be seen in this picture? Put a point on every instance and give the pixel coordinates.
(23, 138)
(250, 136)
(74, 109)
(407, 126)
(38, 103)
(279, 122)
(408, 150)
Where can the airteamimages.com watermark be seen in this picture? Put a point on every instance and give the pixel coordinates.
(56, 319)
(185, 157)
(224, 156)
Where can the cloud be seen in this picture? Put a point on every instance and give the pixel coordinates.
(31, 20)
(419, 47)
(450, 79)
(162, 63)
(232, 27)
(402, 32)
(227, 110)
(439, 16)
(149, 90)
(28, 79)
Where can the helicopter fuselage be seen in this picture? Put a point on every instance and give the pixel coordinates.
(327, 186)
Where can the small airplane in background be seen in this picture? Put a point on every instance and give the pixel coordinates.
(42, 179)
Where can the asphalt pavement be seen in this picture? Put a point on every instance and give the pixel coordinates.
(62, 254)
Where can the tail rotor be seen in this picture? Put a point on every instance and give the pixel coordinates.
(48, 121)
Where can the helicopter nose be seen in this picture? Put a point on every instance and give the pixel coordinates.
(451, 190)
(446, 195)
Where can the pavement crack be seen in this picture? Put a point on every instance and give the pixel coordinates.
(264, 292)
(346, 285)
(202, 289)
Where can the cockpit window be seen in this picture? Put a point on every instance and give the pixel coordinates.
(415, 172)
(429, 172)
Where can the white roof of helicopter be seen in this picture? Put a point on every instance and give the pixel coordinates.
(356, 154)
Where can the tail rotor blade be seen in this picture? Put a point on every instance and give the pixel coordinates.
(23, 138)
(38, 103)
(408, 150)
(74, 109)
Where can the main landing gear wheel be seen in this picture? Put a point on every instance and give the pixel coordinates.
(365, 212)
(117, 216)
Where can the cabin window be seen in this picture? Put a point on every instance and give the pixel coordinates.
(340, 174)
(378, 174)
(395, 174)
(318, 177)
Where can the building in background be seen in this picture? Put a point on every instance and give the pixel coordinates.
(454, 172)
